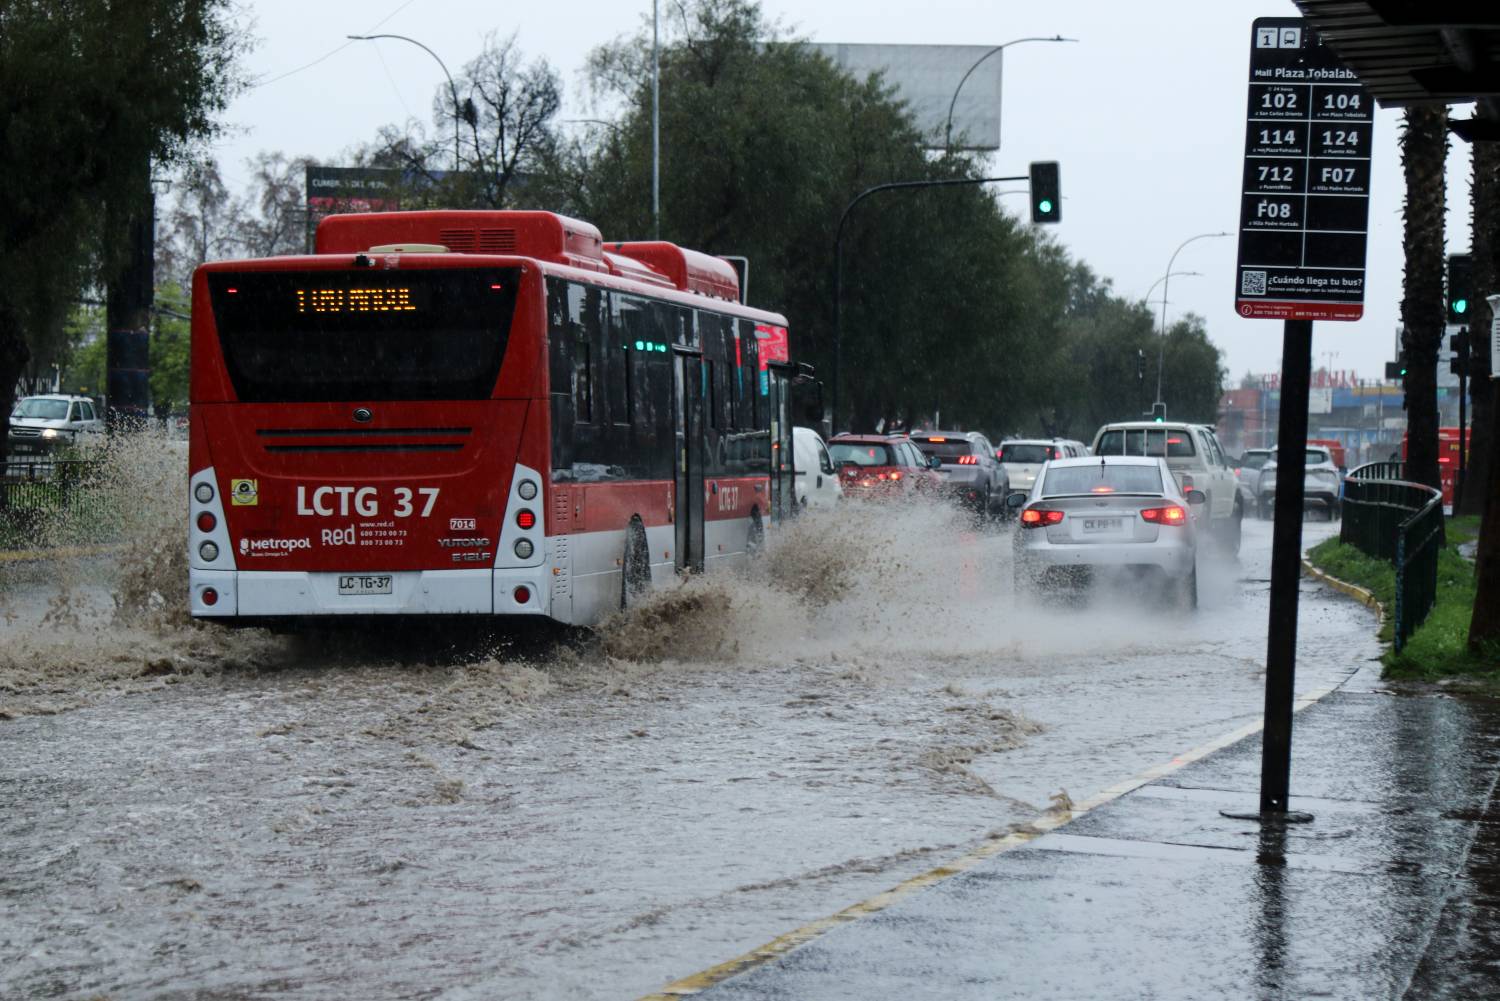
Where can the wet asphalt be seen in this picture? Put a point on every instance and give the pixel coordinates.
(1389, 892)
(189, 815)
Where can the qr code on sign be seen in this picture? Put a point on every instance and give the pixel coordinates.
(1252, 283)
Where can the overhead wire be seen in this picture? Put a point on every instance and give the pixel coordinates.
(333, 52)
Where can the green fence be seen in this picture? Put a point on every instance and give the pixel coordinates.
(1391, 519)
(34, 489)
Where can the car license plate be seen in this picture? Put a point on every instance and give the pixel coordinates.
(1101, 524)
(365, 583)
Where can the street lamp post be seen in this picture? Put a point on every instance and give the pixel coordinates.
(998, 50)
(838, 262)
(452, 89)
(1161, 353)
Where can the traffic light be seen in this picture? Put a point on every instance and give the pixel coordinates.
(1158, 412)
(1459, 342)
(1046, 197)
(1395, 370)
(1460, 287)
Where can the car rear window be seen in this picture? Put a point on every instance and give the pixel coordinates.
(1101, 478)
(945, 448)
(1026, 453)
(861, 454)
(1254, 460)
(1161, 442)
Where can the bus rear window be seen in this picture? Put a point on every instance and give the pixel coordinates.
(329, 336)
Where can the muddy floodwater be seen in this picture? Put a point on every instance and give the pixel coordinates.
(195, 813)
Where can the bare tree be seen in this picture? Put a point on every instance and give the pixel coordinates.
(505, 114)
(205, 223)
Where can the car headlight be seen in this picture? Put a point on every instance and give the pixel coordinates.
(49, 433)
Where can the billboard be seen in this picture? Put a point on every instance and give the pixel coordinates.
(926, 77)
(350, 189)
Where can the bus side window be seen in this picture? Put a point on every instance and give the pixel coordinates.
(560, 375)
(586, 329)
(627, 329)
(750, 357)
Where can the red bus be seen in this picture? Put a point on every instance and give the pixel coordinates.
(471, 413)
(1448, 448)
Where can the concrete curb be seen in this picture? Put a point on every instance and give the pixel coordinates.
(1359, 594)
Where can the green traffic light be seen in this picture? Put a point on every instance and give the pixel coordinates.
(1460, 305)
(1045, 205)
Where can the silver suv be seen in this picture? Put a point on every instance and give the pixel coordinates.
(969, 470)
(40, 424)
(1197, 462)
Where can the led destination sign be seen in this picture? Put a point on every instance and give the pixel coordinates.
(354, 300)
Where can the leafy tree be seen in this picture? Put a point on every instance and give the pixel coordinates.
(951, 307)
(91, 91)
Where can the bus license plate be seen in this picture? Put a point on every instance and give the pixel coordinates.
(365, 583)
(1101, 524)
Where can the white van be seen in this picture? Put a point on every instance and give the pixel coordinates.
(817, 482)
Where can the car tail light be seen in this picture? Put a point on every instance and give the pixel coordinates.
(525, 518)
(1036, 517)
(1187, 481)
(206, 522)
(895, 474)
(1169, 515)
(968, 460)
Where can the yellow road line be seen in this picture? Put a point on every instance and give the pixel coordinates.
(1047, 822)
(60, 553)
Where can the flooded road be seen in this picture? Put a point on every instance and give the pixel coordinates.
(192, 813)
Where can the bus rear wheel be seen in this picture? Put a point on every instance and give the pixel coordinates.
(635, 568)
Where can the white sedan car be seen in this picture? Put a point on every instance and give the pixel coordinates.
(1110, 516)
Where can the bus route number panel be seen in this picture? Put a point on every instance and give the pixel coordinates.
(1305, 197)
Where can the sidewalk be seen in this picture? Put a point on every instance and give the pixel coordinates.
(1393, 891)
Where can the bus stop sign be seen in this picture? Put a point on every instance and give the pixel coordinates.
(1305, 200)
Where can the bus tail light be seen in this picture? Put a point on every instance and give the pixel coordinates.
(522, 594)
(204, 492)
(1170, 515)
(209, 552)
(1036, 517)
(206, 521)
(210, 597)
(526, 518)
(524, 549)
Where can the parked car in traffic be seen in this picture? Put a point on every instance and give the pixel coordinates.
(1321, 484)
(1108, 517)
(1197, 462)
(971, 473)
(1022, 458)
(1247, 467)
(882, 465)
(39, 425)
(817, 481)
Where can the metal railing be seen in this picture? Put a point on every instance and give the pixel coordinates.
(1392, 519)
(30, 488)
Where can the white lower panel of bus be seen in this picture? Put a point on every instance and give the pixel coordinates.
(413, 592)
(590, 584)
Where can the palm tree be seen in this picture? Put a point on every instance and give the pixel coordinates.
(1424, 150)
(1482, 492)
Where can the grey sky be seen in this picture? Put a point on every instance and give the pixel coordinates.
(1145, 115)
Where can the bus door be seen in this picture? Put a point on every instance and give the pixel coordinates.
(783, 470)
(687, 409)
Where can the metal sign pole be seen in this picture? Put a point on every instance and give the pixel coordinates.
(1286, 571)
(1304, 215)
